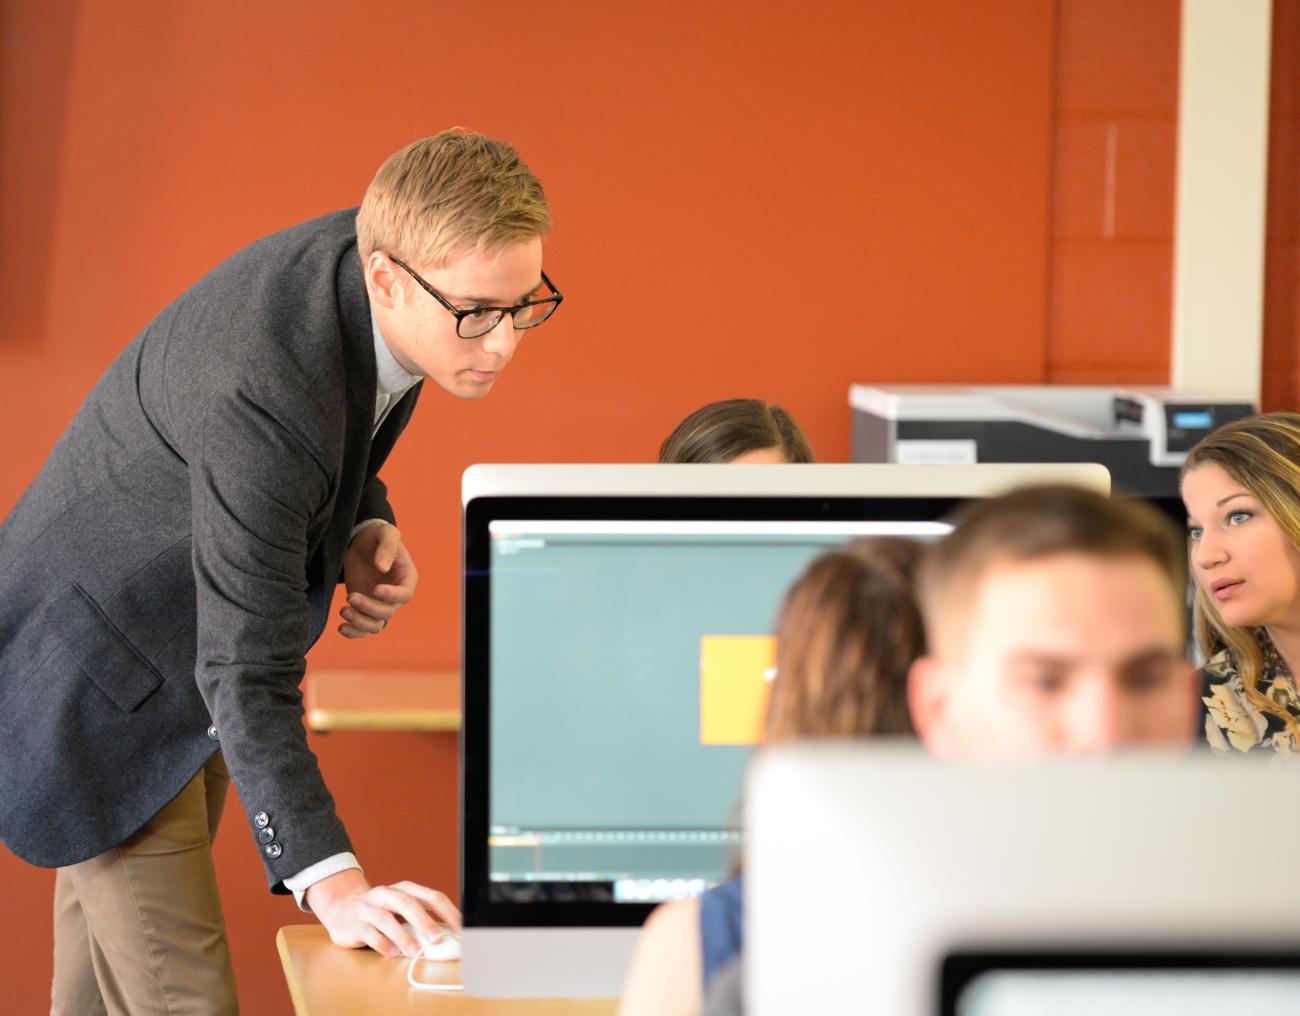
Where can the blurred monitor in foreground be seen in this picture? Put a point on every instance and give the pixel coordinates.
(882, 880)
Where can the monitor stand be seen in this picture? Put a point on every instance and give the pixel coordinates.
(546, 962)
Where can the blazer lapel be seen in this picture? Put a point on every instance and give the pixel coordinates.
(360, 378)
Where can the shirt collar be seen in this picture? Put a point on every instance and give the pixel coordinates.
(390, 376)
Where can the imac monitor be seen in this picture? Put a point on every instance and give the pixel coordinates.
(1098, 887)
(617, 655)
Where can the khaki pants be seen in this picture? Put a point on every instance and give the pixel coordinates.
(138, 930)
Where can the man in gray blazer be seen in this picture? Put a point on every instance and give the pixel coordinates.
(167, 570)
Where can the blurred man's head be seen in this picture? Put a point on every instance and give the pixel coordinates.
(1055, 620)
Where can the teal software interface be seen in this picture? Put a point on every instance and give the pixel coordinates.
(628, 664)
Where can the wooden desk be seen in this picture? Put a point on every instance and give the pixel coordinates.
(325, 980)
(382, 700)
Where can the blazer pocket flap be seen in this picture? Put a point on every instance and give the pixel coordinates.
(103, 652)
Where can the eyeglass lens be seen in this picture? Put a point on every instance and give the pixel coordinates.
(480, 323)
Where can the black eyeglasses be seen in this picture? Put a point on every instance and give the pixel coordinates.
(470, 324)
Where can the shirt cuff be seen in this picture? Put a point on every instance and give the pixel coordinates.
(362, 525)
(299, 884)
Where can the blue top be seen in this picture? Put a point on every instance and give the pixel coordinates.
(721, 910)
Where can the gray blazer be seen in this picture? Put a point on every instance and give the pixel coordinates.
(167, 570)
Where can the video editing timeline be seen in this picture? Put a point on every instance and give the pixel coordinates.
(629, 668)
(608, 865)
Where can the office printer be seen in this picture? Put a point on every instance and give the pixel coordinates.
(1142, 435)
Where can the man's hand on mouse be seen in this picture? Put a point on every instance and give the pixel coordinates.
(394, 920)
(380, 578)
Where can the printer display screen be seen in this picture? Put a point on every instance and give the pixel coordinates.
(1193, 419)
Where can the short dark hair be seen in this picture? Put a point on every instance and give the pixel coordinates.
(1038, 522)
(722, 431)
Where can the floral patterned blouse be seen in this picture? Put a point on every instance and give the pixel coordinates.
(1232, 723)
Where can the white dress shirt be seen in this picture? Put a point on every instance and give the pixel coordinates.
(392, 382)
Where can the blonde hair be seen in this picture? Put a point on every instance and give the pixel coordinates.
(1262, 453)
(447, 195)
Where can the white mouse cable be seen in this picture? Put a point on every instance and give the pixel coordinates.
(427, 985)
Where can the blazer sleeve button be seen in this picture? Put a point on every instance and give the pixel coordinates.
(261, 820)
(212, 731)
(266, 835)
(273, 850)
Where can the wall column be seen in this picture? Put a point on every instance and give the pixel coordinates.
(1221, 197)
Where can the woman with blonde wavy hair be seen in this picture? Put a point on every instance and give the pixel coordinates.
(1241, 486)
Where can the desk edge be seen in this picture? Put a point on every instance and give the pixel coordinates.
(434, 720)
(290, 972)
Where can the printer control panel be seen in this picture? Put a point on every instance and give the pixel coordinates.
(1187, 423)
(1173, 423)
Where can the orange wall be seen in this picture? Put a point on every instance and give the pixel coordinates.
(1112, 233)
(751, 199)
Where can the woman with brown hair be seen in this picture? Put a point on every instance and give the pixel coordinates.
(1241, 486)
(743, 431)
(847, 633)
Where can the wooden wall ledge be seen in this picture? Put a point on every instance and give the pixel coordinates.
(427, 700)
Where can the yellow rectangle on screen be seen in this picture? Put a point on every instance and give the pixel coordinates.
(735, 678)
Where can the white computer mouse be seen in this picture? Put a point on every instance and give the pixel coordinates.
(442, 949)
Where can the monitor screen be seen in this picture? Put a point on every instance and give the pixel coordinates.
(1131, 983)
(618, 656)
(631, 661)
